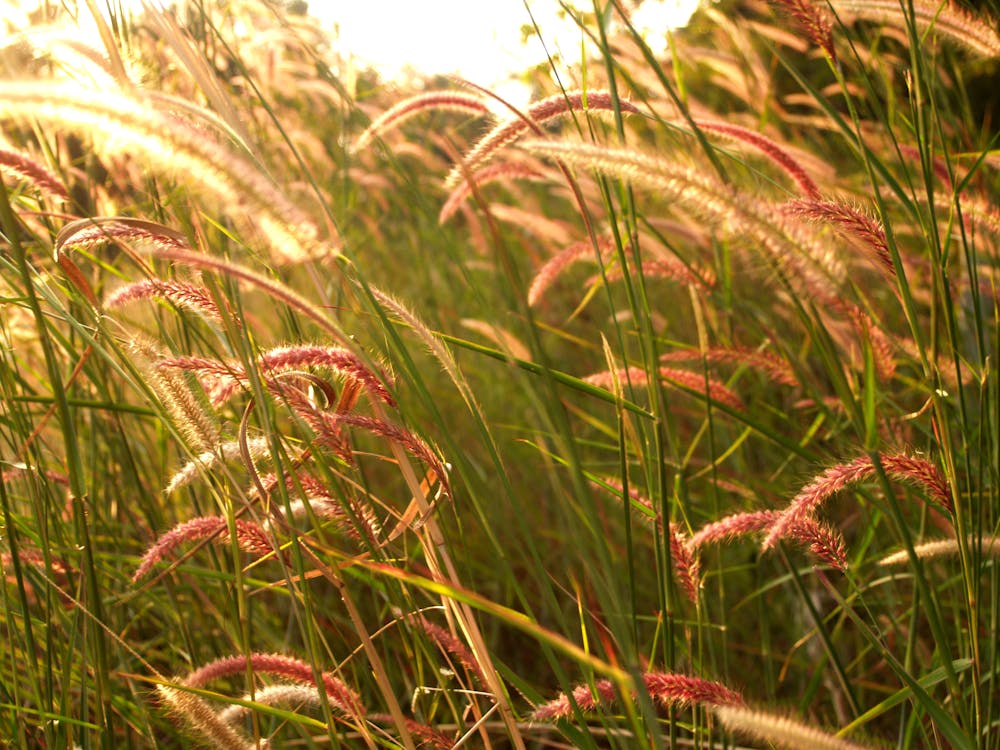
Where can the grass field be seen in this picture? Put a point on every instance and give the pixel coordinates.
(662, 412)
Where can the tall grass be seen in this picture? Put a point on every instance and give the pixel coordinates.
(660, 413)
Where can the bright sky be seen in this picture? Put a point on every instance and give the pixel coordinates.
(478, 40)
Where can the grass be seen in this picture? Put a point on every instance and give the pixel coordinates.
(663, 412)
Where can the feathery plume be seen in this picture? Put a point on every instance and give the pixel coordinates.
(899, 467)
(769, 148)
(289, 696)
(23, 167)
(403, 437)
(450, 101)
(357, 522)
(492, 173)
(666, 688)
(200, 717)
(562, 260)
(133, 125)
(664, 268)
(851, 221)
(814, 19)
(681, 379)
(773, 366)
(221, 453)
(453, 646)
(190, 296)
(705, 196)
(223, 379)
(990, 546)
(779, 730)
(249, 537)
(824, 542)
(94, 231)
(540, 112)
(976, 33)
(278, 665)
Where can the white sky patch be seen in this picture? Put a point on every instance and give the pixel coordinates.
(476, 40)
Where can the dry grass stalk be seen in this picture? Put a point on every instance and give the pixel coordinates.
(779, 730)
(249, 537)
(23, 167)
(450, 101)
(977, 33)
(899, 467)
(666, 688)
(540, 112)
(990, 546)
(135, 126)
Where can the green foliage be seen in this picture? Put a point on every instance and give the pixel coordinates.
(336, 415)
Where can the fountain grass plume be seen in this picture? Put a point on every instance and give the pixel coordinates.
(546, 110)
(976, 33)
(900, 467)
(133, 125)
(249, 537)
(773, 151)
(279, 665)
(220, 453)
(739, 213)
(781, 731)
(823, 541)
(484, 176)
(224, 379)
(395, 116)
(183, 294)
(990, 546)
(776, 368)
(666, 688)
(685, 380)
(550, 271)
(23, 167)
(852, 222)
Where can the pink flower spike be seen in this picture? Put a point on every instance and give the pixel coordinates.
(182, 294)
(666, 688)
(899, 467)
(24, 167)
(249, 537)
(281, 666)
(770, 149)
